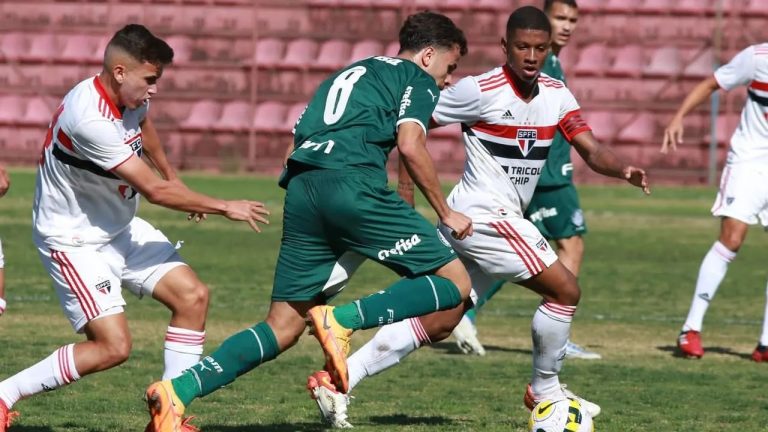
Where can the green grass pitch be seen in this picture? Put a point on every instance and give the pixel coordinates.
(642, 257)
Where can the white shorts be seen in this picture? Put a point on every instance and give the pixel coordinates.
(510, 249)
(743, 194)
(89, 282)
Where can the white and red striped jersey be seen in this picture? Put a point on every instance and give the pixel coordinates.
(506, 139)
(749, 143)
(79, 201)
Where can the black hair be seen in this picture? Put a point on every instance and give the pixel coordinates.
(142, 45)
(527, 18)
(425, 29)
(548, 4)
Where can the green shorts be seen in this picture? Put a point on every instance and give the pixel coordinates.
(330, 212)
(556, 212)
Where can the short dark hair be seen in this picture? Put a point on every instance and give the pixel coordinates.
(142, 45)
(425, 29)
(548, 4)
(527, 18)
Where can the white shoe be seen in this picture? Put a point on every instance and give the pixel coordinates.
(466, 337)
(531, 400)
(575, 351)
(332, 403)
(592, 408)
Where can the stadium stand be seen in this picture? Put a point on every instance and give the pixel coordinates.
(244, 69)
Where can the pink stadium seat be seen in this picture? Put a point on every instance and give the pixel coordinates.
(332, 55)
(13, 45)
(593, 60)
(392, 49)
(591, 6)
(656, 6)
(269, 116)
(756, 8)
(235, 117)
(425, 4)
(182, 49)
(629, 62)
(299, 53)
(364, 49)
(602, 123)
(294, 112)
(80, 48)
(665, 61)
(701, 66)
(38, 112)
(694, 7)
(43, 47)
(443, 149)
(268, 53)
(640, 129)
(726, 125)
(619, 6)
(12, 109)
(456, 4)
(492, 5)
(568, 58)
(203, 115)
(357, 3)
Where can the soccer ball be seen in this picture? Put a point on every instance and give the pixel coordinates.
(565, 415)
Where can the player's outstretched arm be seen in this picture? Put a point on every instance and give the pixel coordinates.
(405, 183)
(5, 181)
(673, 134)
(175, 195)
(604, 161)
(411, 143)
(154, 150)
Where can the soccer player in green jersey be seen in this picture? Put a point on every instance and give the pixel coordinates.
(555, 208)
(338, 204)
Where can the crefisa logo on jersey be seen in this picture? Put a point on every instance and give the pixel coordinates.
(526, 139)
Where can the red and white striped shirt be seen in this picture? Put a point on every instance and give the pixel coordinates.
(749, 143)
(507, 140)
(79, 202)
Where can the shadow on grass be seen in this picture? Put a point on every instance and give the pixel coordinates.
(32, 429)
(711, 350)
(406, 420)
(273, 427)
(451, 348)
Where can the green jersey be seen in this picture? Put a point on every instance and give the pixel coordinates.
(557, 170)
(352, 120)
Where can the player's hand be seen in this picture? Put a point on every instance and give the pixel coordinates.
(197, 217)
(460, 225)
(252, 212)
(5, 181)
(673, 135)
(637, 177)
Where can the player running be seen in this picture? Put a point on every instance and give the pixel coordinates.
(743, 196)
(338, 202)
(509, 116)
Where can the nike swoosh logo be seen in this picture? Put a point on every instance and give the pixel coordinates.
(325, 320)
(545, 407)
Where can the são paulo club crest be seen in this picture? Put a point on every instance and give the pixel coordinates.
(526, 139)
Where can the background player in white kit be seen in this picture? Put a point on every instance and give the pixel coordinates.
(86, 230)
(509, 117)
(743, 196)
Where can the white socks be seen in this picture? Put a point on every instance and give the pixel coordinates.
(183, 349)
(764, 334)
(55, 371)
(550, 329)
(389, 345)
(712, 271)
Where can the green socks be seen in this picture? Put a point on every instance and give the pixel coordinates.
(237, 355)
(404, 299)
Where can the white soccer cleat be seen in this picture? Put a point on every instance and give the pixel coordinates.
(591, 408)
(331, 402)
(466, 337)
(575, 351)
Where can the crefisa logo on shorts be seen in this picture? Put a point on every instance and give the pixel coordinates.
(402, 246)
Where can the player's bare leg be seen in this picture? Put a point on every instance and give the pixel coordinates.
(711, 273)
